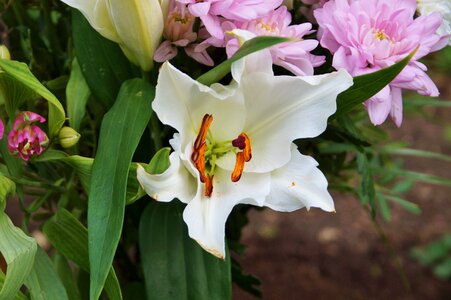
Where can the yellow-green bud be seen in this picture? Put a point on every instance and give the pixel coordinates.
(68, 137)
(4, 53)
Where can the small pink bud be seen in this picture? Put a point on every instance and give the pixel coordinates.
(26, 139)
(2, 129)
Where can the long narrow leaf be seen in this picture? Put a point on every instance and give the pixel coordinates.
(253, 45)
(368, 85)
(121, 130)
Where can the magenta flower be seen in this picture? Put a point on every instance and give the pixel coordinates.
(178, 32)
(209, 11)
(294, 56)
(26, 139)
(369, 35)
(2, 129)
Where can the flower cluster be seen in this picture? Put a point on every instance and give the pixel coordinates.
(235, 142)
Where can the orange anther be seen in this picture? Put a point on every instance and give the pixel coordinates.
(198, 158)
(247, 148)
(239, 167)
(208, 185)
(203, 131)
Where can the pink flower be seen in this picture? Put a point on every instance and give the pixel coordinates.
(26, 139)
(294, 56)
(368, 35)
(235, 10)
(2, 129)
(178, 32)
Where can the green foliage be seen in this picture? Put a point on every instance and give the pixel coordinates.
(101, 61)
(70, 238)
(121, 130)
(436, 255)
(17, 248)
(175, 266)
(26, 80)
(77, 96)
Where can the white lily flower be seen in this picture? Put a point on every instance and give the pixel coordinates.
(235, 143)
(136, 25)
(426, 7)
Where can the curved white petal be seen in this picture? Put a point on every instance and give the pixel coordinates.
(259, 61)
(299, 184)
(96, 12)
(206, 217)
(175, 182)
(181, 102)
(281, 109)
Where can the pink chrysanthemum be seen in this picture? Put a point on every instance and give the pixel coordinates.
(368, 35)
(178, 32)
(294, 56)
(26, 139)
(209, 11)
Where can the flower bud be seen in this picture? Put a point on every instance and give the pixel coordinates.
(26, 139)
(68, 137)
(136, 25)
(2, 129)
(4, 53)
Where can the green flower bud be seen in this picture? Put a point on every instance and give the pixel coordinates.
(4, 52)
(68, 137)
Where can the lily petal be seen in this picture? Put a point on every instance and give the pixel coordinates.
(182, 102)
(299, 184)
(295, 107)
(175, 182)
(96, 13)
(206, 217)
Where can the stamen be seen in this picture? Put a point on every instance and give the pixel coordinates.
(203, 131)
(208, 185)
(199, 163)
(243, 142)
(239, 167)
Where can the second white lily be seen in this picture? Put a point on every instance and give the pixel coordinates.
(235, 143)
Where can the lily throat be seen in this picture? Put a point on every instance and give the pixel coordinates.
(206, 151)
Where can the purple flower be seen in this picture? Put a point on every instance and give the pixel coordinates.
(295, 55)
(26, 139)
(368, 35)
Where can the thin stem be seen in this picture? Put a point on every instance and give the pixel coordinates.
(156, 133)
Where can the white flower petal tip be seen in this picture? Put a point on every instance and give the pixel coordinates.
(213, 251)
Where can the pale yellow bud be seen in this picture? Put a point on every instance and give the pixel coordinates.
(68, 137)
(4, 52)
(136, 25)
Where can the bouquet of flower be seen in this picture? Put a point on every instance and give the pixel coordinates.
(135, 135)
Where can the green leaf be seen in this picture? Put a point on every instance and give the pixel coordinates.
(70, 238)
(17, 248)
(102, 62)
(121, 130)
(368, 85)
(83, 166)
(20, 72)
(250, 46)
(383, 206)
(174, 265)
(413, 152)
(367, 191)
(407, 205)
(43, 282)
(160, 162)
(19, 295)
(77, 95)
(67, 277)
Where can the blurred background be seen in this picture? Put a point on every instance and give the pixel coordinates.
(347, 255)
